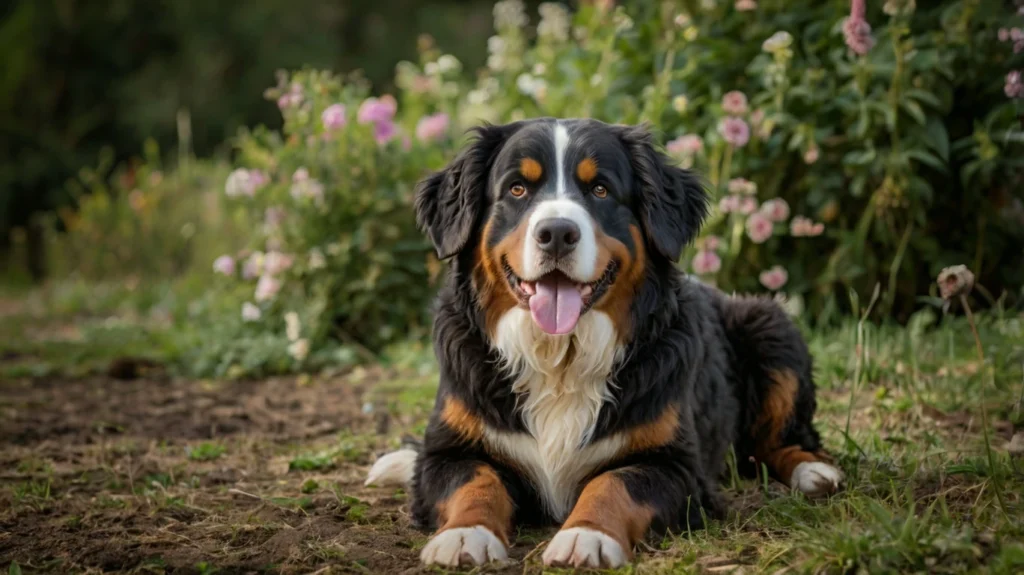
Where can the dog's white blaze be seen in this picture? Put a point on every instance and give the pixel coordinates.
(562, 382)
(582, 260)
(561, 137)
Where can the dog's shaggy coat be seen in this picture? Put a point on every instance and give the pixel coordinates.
(584, 380)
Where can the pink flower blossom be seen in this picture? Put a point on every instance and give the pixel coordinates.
(757, 116)
(250, 312)
(775, 209)
(811, 155)
(759, 228)
(273, 217)
(745, 5)
(748, 205)
(687, 144)
(706, 262)
(224, 265)
(742, 186)
(267, 288)
(431, 128)
(1016, 34)
(377, 110)
(734, 103)
(243, 182)
(774, 278)
(384, 132)
(1014, 87)
(300, 175)
(801, 226)
(857, 31)
(735, 131)
(275, 263)
(334, 117)
(729, 204)
(712, 243)
(253, 266)
(1004, 35)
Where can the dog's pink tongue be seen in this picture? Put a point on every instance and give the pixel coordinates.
(556, 305)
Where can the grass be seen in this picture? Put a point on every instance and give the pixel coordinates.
(899, 407)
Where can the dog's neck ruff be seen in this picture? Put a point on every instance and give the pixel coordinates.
(561, 384)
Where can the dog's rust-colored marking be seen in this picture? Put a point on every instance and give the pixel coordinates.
(606, 506)
(618, 300)
(776, 411)
(656, 433)
(586, 170)
(458, 418)
(482, 501)
(496, 296)
(531, 170)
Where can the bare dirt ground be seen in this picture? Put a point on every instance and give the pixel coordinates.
(154, 475)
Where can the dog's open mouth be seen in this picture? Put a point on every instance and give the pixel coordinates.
(556, 302)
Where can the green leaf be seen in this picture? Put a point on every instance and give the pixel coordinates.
(14, 569)
(926, 157)
(925, 96)
(859, 158)
(915, 111)
(938, 138)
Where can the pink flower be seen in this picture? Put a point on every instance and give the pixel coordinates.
(728, 204)
(1016, 34)
(706, 262)
(384, 131)
(801, 226)
(775, 209)
(1014, 87)
(748, 205)
(757, 116)
(745, 5)
(742, 186)
(250, 312)
(734, 103)
(856, 30)
(712, 243)
(273, 217)
(811, 155)
(275, 262)
(735, 131)
(377, 110)
(759, 228)
(334, 117)
(266, 288)
(1004, 34)
(300, 175)
(243, 182)
(774, 278)
(253, 266)
(688, 144)
(431, 128)
(224, 265)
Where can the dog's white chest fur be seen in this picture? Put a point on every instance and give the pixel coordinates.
(562, 382)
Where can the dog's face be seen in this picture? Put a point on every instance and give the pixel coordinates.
(563, 216)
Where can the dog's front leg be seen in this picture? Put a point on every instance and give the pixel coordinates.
(615, 510)
(473, 511)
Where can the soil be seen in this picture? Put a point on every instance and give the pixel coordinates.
(96, 476)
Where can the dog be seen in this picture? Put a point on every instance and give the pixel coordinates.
(585, 381)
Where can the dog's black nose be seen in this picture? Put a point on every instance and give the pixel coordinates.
(557, 236)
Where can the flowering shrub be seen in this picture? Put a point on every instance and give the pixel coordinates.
(844, 147)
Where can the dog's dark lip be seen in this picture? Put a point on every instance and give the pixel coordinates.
(597, 288)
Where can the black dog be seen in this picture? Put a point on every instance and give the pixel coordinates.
(585, 381)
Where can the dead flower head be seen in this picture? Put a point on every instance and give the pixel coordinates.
(955, 281)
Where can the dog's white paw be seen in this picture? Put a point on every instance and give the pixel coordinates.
(395, 468)
(463, 546)
(815, 478)
(583, 547)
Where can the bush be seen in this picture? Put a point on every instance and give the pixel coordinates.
(837, 161)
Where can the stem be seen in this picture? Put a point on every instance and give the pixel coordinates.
(984, 410)
(726, 165)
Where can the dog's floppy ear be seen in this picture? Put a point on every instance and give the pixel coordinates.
(672, 202)
(450, 202)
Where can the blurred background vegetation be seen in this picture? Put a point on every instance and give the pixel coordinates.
(239, 174)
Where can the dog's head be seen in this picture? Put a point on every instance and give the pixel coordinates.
(564, 216)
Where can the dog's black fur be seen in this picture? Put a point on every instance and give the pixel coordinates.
(716, 358)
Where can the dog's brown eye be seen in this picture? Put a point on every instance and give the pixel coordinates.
(600, 191)
(517, 190)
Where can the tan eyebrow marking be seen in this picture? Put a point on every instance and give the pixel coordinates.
(586, 170)
(531, 169)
